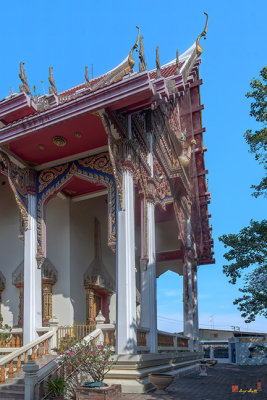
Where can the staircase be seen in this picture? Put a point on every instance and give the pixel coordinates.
(14, 388)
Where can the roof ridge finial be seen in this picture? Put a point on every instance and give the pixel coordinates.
(87, 83)
(198, 46)
(52, 88)
(177, 62)
(130, 58)
(158, 63)
(142, 63)
(24, 87)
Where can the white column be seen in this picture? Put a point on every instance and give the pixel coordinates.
(188, 303)
(149, 284)
(125, 272)
(32, 315)
(195, 314)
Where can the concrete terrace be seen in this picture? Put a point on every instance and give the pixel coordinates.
(216, 386)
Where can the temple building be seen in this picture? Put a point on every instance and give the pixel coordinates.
(102, 190)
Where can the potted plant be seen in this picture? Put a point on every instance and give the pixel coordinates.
(90, 362)
(56, 387)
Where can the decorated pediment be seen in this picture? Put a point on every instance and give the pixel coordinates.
(97, 275)
(49, 273)
(18, 275)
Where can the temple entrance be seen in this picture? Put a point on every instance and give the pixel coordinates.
(97, 304)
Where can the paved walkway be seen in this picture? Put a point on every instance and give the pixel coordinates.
(216, 386)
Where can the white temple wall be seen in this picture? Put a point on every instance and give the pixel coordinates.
(11, 251)
(58, 251)
(166, 236)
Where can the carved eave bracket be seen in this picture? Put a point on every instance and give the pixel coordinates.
(17, 181)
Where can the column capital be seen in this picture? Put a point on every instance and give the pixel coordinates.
(30, 181)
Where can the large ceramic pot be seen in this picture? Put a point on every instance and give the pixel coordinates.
(161, 381)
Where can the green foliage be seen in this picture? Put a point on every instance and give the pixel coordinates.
(5, 336)
(56, 386)
(95, 360)
(248, 248)
(258, 140)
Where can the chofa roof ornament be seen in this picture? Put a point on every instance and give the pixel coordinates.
(24, 87)
(131, 60)
(198, 46)
(52, 88)
(158, 73)
(87, 80)
(142, 63)
(120, 71)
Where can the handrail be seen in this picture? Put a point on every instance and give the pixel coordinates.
(26, 347)
(57, 367)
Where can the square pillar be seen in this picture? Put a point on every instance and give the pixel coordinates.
(126, 342)
(149, 283)
(195, 310)
(32, 277)
(188, 302)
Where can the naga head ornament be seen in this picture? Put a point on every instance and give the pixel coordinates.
(198, 46)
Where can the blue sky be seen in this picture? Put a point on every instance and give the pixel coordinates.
(69, 35)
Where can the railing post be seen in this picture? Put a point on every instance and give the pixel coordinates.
(53, 326)
(100, 320)
(30, 379)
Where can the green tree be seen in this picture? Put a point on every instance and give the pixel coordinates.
(248, 248)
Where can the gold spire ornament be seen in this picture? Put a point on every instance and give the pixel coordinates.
(52, 88)
(24, 87)
(87, 83)
(177, 63)
(142, 63)
(158, 63)
(131, 60)
(199, 49)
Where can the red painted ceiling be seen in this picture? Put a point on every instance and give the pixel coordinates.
(78, 187)
(92, 132)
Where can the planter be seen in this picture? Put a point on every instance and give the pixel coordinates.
(212, 363)
(161, 381)
(99, 393)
